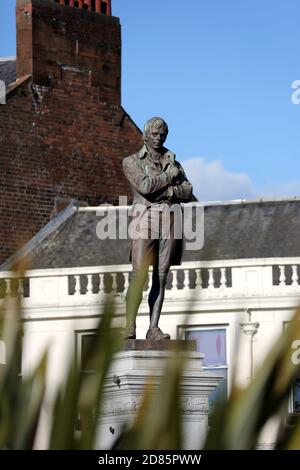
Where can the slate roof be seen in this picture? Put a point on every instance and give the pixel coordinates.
(233, 230)
(8, 69)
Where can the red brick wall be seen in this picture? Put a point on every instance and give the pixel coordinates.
(64, 140)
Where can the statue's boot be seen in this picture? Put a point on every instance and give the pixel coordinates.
(129, 332)
(155, 334)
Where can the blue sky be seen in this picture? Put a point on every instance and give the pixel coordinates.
(220, 72)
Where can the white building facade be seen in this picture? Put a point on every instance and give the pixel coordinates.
(235, 309)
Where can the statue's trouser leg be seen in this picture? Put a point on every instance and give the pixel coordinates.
(156, 297)
(142, 257)
(134, 297)
(154, 292)
(159, 281)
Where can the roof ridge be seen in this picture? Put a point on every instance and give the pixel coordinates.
(204, 203)
(259, 200)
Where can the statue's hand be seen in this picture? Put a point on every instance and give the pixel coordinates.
(172, 171)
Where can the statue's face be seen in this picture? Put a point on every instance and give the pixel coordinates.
(156, 137)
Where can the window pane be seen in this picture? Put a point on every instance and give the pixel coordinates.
(87, 341)
(296, 396)
(212, 343)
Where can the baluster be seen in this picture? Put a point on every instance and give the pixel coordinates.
(8, 287)
(80, 3)
(2, 352)
(101, 284)
(114, 285)
(223, 281)
(89, 287)
(77, 285)
(126, 282)
(71, 3)
(21, 287)
(186, 281)
(89, 4)
(211, 282)
(294, 276)
(198, 282)
(174, 280)
(282, 278)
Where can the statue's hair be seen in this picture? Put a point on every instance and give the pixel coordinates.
(155, 121)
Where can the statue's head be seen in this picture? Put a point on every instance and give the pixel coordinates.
(155, 132)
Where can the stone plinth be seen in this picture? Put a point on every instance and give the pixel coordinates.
(125, 384)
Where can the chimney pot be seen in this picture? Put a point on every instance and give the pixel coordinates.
(98, 6)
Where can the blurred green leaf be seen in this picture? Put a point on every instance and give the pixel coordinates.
(79, 403)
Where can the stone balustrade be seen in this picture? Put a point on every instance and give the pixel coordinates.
(192, 280)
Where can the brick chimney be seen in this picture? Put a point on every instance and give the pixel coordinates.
(56, 36)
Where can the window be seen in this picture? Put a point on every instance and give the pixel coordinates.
(211, 341)
(295, 398)
(84, 341)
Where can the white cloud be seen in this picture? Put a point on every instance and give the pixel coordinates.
(212, 182)
(286, 189)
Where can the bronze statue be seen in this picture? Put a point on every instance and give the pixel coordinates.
(158, 181)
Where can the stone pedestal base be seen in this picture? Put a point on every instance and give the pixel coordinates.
(125, 385)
